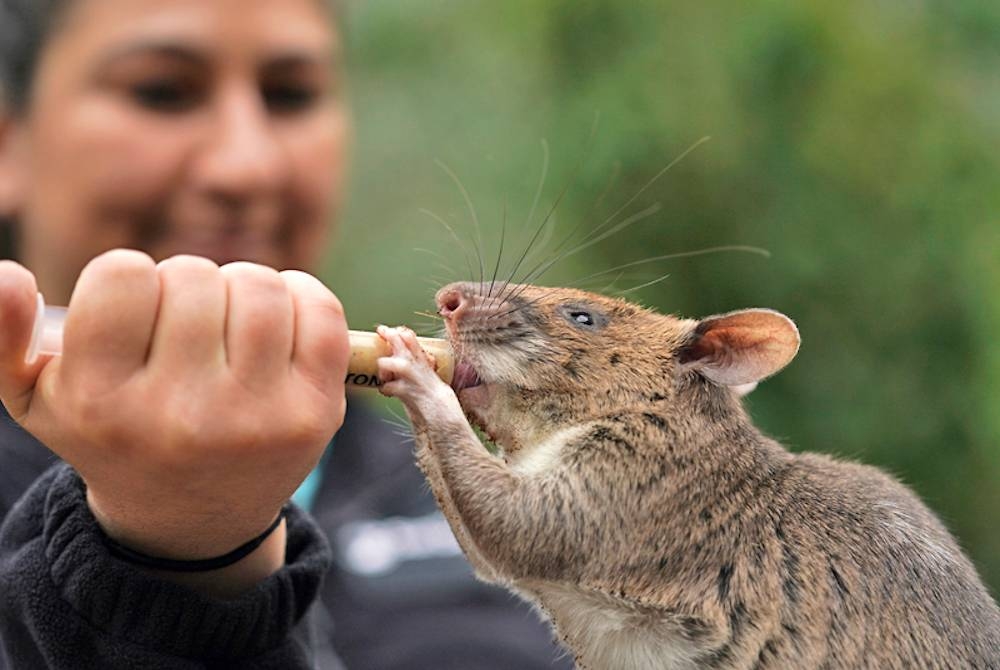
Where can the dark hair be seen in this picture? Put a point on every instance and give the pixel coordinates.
(24, 28)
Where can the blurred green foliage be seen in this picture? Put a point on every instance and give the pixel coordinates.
(859, 142)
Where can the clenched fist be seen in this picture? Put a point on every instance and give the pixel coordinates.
(192, 399)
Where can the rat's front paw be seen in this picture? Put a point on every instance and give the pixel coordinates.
(408, 374)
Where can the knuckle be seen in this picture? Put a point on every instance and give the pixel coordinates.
(317, 296)
(185, 265)
(245, 271)
(259, 289)
(328, 307)
(88, 409)
(187, 423)
(119, 265)
(17, 272)
(89, 413)
(312, 428)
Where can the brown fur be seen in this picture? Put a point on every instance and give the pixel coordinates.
(639, 508)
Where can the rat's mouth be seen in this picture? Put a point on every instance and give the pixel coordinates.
(465, 377)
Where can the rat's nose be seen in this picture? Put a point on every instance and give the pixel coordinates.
(452, 301)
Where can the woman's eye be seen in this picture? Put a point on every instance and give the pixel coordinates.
(164, 96)
(289, 98)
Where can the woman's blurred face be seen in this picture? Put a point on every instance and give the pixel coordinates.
(212, 127)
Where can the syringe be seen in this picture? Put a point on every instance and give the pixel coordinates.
(362, 369)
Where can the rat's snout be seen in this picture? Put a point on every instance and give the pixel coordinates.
(452, 301)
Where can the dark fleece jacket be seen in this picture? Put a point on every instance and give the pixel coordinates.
(65, 602)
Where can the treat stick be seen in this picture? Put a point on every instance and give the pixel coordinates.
(367, 348)
(362, 369)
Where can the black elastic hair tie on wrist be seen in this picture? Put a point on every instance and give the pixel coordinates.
(200, 565)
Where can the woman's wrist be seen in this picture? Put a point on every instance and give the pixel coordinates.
(155, 545)
(237, 578)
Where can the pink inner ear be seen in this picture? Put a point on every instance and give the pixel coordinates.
(742, 347)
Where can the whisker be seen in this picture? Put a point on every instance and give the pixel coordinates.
(681, 254)
(541, 182)
(475, 218)
(632, 220)
(425, 330)
(423, 250)
(616, 171)
(608, 287)
(562, 194)
(538, 232)
(435, 282)
(527, 304)
(652, 181)
(644, 285)
(441, 280)
(531, 215)
(396, 420)
(597, 285)
(503, 233)
(534, 205)
(447, 269)
(600, 231)
(684, 254)
(454, 235)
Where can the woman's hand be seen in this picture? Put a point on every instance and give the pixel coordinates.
(192, 399)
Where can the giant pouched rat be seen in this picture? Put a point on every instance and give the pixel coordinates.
(637, 506)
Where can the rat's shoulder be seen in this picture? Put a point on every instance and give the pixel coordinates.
(844, 484)
(865, 506)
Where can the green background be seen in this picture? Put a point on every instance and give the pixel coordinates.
(858, 142)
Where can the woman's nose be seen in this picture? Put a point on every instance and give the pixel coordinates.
(242, 157)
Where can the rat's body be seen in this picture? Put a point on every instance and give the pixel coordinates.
(638, 507)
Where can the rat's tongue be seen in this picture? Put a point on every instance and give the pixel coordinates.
(465, 377)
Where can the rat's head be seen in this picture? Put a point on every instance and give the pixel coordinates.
(556, 353)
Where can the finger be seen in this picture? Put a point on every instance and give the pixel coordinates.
(413, 346)
(392, 389)
(259, 323)
(18, 298)
(390, 369)
(111, 317)
(392, 338)
(190, 327)
(321, 346)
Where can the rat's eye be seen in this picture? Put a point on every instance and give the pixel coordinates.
(584, 317)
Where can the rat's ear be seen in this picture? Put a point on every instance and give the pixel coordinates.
(741, 348)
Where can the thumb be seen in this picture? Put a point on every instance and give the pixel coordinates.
(18, 303)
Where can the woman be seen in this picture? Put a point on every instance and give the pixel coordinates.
(195, 392)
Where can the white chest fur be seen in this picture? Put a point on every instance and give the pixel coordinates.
(538, 458)
(607, 634)
(603, 632)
